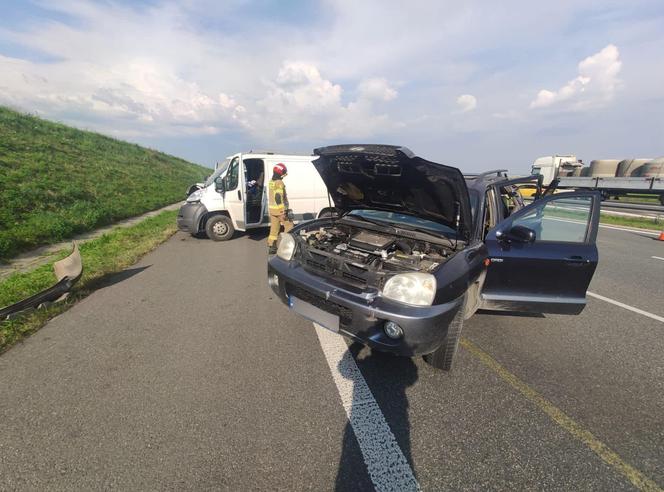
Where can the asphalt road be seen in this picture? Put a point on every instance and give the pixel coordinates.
(185, 373)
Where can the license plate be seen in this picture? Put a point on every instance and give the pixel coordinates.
(315, 314)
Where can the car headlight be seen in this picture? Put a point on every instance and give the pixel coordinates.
(417, 289)
(195, 196)
(286, 246)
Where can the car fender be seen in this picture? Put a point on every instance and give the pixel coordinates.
(460, 272)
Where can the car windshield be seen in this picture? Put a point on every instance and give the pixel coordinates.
(218, 172)
(404, 220)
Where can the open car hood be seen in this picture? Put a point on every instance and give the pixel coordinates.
(392, 178)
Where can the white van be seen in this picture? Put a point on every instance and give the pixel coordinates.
(234, 197)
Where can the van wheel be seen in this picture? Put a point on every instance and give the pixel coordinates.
(443, 357)
(219, 228)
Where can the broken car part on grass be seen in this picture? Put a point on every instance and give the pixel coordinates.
(67, 272)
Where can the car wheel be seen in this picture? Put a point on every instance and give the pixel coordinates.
(219, 228)
(443, 357)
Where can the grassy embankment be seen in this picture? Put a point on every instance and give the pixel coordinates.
(640, 223)
(101, 257)
(57, 181)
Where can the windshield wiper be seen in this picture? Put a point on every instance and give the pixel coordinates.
(428, 232)
(364, 219)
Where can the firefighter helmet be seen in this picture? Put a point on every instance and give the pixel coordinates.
(280, 169)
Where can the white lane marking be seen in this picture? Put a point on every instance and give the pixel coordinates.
(388, 467)
(627, 306)
(657, 257)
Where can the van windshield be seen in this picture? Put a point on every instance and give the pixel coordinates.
(218, 172)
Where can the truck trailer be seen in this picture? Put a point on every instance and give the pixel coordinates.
(611, 177)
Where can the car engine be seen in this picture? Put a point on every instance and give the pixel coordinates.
(366, 257)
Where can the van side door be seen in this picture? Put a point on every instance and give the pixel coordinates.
(543, 257)
(233, 193)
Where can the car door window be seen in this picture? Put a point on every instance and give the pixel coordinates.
(490, 219)
(233, 175)
(560, 220)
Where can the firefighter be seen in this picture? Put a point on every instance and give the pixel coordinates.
(278, 206)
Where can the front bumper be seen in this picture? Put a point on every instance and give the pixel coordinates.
(189, 216)
(362, 314)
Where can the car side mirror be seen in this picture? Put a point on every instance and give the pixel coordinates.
(518, 234)
(219, 185)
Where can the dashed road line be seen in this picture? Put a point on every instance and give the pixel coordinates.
(388, 467)
(610, 457)
(627, 306)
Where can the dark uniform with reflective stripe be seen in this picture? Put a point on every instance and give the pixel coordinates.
(278, 205)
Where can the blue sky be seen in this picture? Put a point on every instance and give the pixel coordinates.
(473, 84)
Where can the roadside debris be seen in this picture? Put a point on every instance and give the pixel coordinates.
(67, 272)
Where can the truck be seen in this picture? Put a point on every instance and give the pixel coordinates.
(234, 197)
(611, 177)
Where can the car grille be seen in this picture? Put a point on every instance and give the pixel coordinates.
(345, 314)
(321, 264)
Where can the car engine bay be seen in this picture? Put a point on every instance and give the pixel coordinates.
(364, 257)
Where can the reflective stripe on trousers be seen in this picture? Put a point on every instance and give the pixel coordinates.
(275, 227)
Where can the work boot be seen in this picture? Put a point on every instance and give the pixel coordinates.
(272, 249)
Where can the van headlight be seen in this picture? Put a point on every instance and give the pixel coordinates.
(195, 196)
(286, 246)
(417, 289)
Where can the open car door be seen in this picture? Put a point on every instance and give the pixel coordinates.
(542, 258)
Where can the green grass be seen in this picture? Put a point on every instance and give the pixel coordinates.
(636, 198)
(640, 223)
(657, 225)
(57, 181)
(101, 257)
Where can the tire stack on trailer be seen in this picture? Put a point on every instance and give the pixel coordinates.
(653, 168)
(603, 168)
(630, 167)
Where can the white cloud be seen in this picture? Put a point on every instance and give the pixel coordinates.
(595, 85)
(302, 103)
(466, 102)
(377, 89)
(147, 98)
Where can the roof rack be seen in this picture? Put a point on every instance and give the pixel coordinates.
(495, 171)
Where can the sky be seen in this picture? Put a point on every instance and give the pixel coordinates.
(477, 85)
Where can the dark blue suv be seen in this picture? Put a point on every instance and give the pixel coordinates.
(412, 248)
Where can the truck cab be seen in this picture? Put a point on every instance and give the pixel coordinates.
(550, 166)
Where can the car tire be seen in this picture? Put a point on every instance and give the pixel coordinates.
(443, 357)
(219, 228)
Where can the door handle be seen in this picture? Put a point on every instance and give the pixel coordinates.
(239, 195)
(576, 259)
